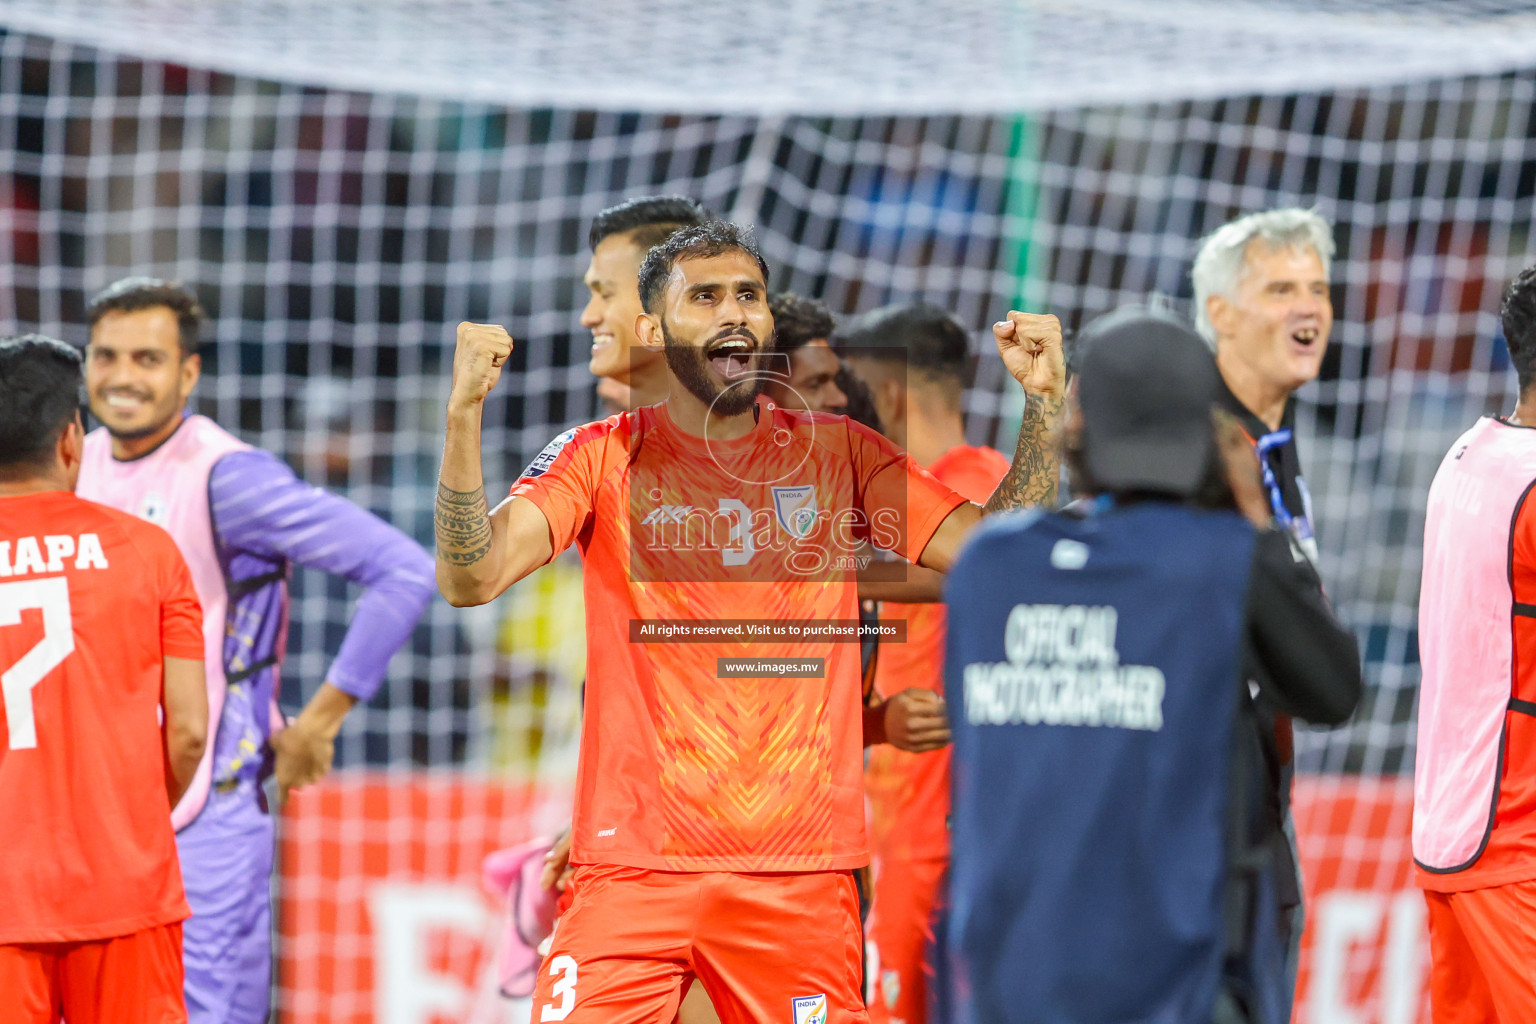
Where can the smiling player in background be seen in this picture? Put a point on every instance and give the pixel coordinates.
(628, 374)
(241, 519)
(804, 374)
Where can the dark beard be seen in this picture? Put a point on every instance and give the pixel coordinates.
(691, 369)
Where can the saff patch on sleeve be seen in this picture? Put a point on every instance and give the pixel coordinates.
(810, 1009)
(546, 458)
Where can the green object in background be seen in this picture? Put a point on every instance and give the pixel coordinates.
(1020, 202)
(1019, 207)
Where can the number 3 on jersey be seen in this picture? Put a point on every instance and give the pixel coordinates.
(51, 595)
(565, 989)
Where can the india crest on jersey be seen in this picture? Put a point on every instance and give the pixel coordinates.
(795, 509)
(810, 1009)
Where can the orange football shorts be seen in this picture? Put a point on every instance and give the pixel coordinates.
(766, 947)
(130, 979)
(1482, 947)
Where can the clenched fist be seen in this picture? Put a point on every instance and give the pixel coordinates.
(1030, 344)
(915, 721)
(477, 362)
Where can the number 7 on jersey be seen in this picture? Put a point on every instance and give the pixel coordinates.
(51, 595)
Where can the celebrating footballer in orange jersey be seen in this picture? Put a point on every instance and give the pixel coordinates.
(719, 803)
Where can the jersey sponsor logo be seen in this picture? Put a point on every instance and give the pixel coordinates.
(1063, 669)
(546, 458)
(811, 1009)
(727, 531)
(49, 553)
(666, 514)
(795, 509)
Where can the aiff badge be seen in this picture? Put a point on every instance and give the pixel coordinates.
(795, 508)
(811, 1009)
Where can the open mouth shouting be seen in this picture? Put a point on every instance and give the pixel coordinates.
(1306, 337)
(731, 354)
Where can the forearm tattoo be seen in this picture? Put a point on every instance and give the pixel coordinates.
(1035, 476)
(463, 525)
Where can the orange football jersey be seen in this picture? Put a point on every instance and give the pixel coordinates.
(909, 793)
(703, 559)
(91, 602)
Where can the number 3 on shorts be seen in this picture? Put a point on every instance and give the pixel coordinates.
(16, 682)
(564, 990)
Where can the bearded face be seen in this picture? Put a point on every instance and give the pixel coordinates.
(716, 327)
(722, 372)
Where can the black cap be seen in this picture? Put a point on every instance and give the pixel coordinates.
(1146, 385)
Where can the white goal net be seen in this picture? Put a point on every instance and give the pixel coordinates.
(342, 183)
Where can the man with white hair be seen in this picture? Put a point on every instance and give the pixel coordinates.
(1262, 302)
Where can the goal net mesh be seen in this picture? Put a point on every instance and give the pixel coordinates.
(337, 231)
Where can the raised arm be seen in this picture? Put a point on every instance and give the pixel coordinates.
(1030, 345)
(480, 554)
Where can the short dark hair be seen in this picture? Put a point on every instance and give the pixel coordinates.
(926, 338)
(797, 321)
(699, 242)
(861, 403)
(132, 294)
(1518, 315)
(648, 220)
(40, 395)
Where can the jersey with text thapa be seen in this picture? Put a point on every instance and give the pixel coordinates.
(697, 753)
(91, 603)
